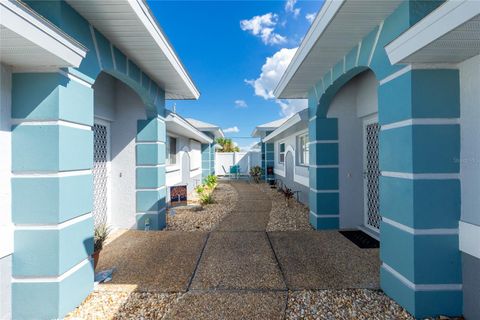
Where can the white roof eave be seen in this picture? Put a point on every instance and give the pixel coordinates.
(168, 71)
(437, 24)
(32, 27)
(331, 29)
(283, 128)
(187, 130)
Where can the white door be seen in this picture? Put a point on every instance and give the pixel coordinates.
(371, 173)
(101, 171)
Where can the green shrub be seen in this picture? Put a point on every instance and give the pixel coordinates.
(200, 189)
(206, 198)
(210, 181)
(256, 173)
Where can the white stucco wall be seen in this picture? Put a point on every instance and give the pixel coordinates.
(104, 96)
(356, 101)
(470, 139)
(116, 101)
(6, 229)
(470, 184)
(177, 174)
(301, 172)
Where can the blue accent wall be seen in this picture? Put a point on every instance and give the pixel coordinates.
(408, 149)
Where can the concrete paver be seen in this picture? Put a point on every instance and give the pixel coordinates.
(152, 261)
(325, 260)
(238, 260)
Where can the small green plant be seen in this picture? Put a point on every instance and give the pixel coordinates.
(200, 189)
(256, 173)
(288, 193)
(206, 198)
(101, 233)
(210, 181)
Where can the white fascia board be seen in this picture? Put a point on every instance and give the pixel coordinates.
(29, 25)
(191, 131)
(469, 238)
(284, 127)
(321, 22)
(444, 19)
(142, 10)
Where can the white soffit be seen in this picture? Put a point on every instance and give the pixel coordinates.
(260, 130)
(450, 34)
(131, 26)
(295, 123)
(181, 127)
(29, 41)
(339, 26)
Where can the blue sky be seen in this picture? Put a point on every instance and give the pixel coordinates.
(225, 46)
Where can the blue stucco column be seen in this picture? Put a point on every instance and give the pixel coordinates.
(52, 194)
(268, 158)
(323, 171)
(150, 179)
(420, 191)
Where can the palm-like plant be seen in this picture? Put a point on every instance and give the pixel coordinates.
(226, 145)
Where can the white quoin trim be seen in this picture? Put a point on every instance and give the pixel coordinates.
(51, 279)
(60, 226)
(26, 122)
(422, 287)
(55, 174)
(420, 121)
(324, 191)
(324, 215)
(421, 176)
(395, 75)
(322, 141)
(421, 232)
(75, 78)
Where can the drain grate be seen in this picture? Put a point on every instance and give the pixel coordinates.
(361, 239)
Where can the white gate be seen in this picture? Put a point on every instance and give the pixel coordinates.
(245, 160)
(372, 216)
(101, 158)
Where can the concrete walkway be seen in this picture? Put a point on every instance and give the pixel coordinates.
(239, 271)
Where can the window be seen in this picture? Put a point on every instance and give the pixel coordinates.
(281, 153)
(302, 147)
(171, 150)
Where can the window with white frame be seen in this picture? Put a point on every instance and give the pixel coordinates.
(281, 153)
(171, 150)
(302, 147)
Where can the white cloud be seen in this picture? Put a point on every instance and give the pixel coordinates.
(289, 107)
(264, 27)
(310, 16)
(272, 71)
(290, 7)
(240, 104)
(232, 129)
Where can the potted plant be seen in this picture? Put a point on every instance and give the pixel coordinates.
(256, 173)
(288, 193)
(101, 233)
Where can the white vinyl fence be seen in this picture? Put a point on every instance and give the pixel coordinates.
(245, 160)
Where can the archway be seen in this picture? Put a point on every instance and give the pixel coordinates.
(355, 106)
(117, 108)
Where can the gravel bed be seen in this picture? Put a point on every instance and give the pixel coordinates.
(343, 304)
(191, 219)
(283, 217)
(124, 305)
